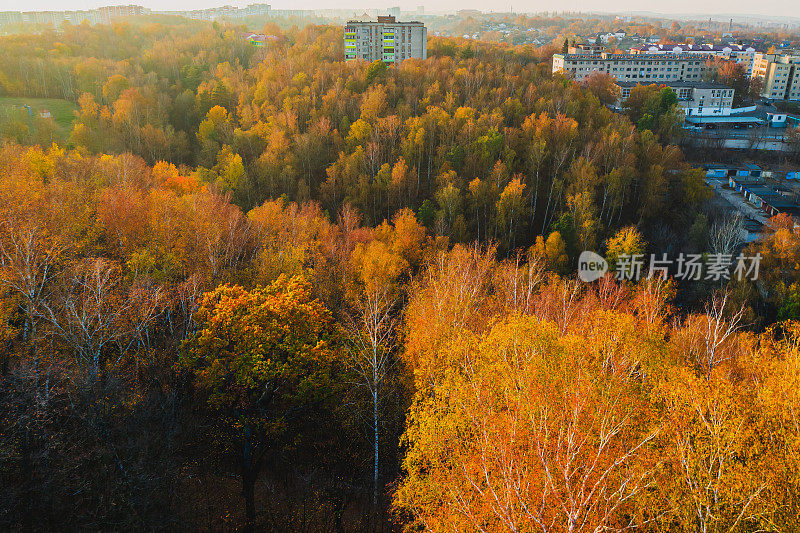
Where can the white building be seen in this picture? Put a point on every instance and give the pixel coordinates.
(780, 74)
(661, 68)
(698, 99)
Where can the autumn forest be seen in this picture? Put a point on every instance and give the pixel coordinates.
(263, 289)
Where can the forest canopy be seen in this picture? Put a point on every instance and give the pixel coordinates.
(260, 288)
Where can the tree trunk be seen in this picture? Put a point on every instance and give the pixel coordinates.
(249, 475)
(248, 492)
(376, 458)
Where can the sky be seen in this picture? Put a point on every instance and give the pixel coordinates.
(790, 8)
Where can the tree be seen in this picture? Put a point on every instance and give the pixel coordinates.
(262, 359)
(92, 312)
(8, 307)
(712, 455)
(553, 252)
(604, 87)
(30, 253)
(376, 70)
(511, 212)
(726, 234)
(654, 108)
(628, 241)
(372, 330)
(482, 456)
(779, 270)
(734, 76)
(755, 88)
(114, 87)
(214, 131)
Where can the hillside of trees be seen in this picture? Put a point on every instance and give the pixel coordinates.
(461, 139)
(263, 289)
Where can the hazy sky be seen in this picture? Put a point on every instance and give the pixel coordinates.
(790, 8)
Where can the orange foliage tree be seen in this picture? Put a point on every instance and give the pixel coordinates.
(263, 359)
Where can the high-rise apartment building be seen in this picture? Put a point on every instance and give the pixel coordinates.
(660, 68)
(386, 40)
(780, 74)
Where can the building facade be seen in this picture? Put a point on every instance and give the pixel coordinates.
(780, 74)
(661, 68)
(386, 40)
(698, 99)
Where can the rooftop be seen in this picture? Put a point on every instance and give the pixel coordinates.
(393, 21)
(747, 180)
(695, 47)
(637, 57)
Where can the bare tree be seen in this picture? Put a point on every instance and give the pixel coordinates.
(725, 234)
(518, 281)
(28, 258)
(792, 140)
(188, 294)
(93, 312)
(716, 330)
(652, 299)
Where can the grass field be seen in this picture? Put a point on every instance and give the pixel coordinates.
(61, 110)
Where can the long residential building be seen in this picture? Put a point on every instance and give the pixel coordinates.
(223, 12)
(780, 74)
(662, 68)
(100, 15)
(741, 54)
(386, 40)
(107, 14)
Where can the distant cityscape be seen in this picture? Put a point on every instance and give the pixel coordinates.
(105, 15)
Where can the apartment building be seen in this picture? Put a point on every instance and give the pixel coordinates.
(101, 15)
(10, 17)
(226, 12)
(385, 40)
(780, 74)
(212, 13)
(741, 54)
(661, 68)
(109, 13)
(698, 99)
(52, 18)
